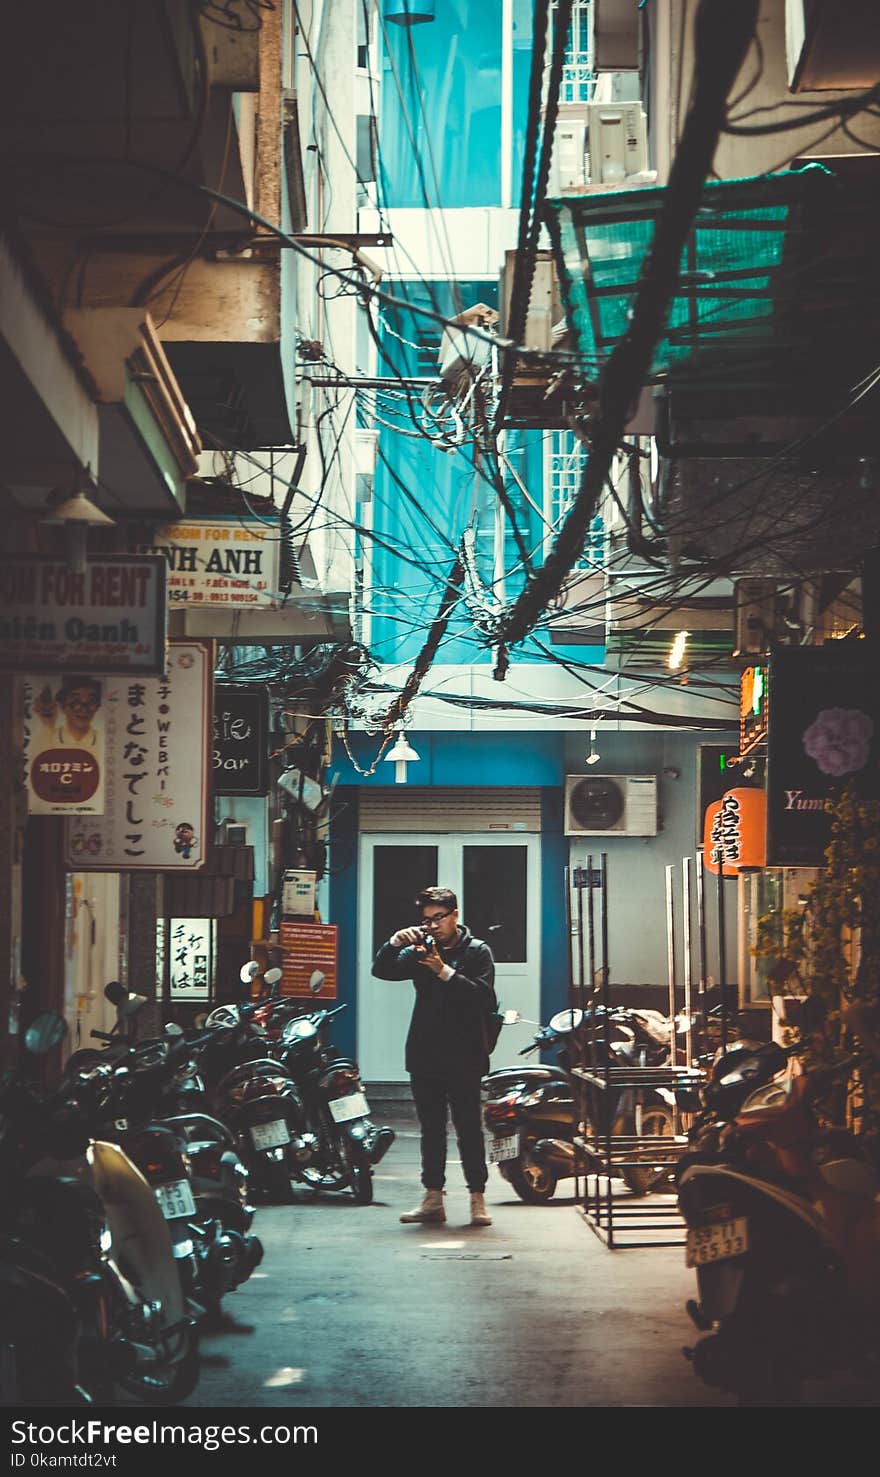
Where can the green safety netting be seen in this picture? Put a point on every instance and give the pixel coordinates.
(739, 273)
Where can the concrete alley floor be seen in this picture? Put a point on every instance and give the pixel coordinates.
(350, 1308)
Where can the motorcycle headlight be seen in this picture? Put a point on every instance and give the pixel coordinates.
(297, 1031)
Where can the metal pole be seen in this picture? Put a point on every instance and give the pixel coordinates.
(722, 955)
(579, 882)
(570, 930)
(670, 959)
(686, 921)
(607, 1029)
(701, 940)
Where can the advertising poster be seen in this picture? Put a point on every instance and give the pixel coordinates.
(109, 618)
(63, 740)
(157, 784)
(822, 735)
(308, 947)
(220, 563)
(191, 954)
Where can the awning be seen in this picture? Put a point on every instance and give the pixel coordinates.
(773, 267)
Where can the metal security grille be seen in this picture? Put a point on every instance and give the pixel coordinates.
(566, 458)
(577, 77)
(429, 811)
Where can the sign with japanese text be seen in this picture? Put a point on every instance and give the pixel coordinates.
(63, 741)
(241, 740)
(735, 832)
(307, 949)
(824, 733)
(220, 563)
(109, 618)
(157, 783)
(191, 958)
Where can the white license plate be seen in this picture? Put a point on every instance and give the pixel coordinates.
(176, 1200)
(717, 1242)
(270, 1135)
(355, 1105)
(501, 1149)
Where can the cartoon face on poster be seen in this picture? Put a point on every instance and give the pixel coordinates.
(64, 743)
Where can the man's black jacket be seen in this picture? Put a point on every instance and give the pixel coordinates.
(447, 1033)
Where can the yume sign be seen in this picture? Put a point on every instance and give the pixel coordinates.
(110, 618)
(158, 773)
(735, 831)
(308, 947)
(211, 564)
(63, 740)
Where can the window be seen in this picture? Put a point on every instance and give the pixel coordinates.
(566, 459)
(577, 77)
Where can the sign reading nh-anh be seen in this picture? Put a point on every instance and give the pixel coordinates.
(220, 563)
(108, 618)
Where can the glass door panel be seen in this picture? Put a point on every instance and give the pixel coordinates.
(494, 898)
(399, 874)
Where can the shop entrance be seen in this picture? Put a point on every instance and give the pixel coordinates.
(497, 882)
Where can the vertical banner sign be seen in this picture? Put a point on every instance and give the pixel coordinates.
(308, 947)
(191, 958)
(241, 740)
(63, 733)
(157, 785)
(823, 735)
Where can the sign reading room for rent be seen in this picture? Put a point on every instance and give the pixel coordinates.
(109, 618)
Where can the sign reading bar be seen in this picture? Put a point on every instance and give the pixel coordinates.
(157, 783)
(241, 740)
(823, 736)
(110, 618)
(308, 947)
(220, 563)
(63, 733)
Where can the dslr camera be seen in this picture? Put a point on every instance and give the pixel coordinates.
(428, 941)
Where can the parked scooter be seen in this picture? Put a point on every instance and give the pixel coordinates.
(87, 1247)
(344, 1143)
(783, 1225)
(531, 1112)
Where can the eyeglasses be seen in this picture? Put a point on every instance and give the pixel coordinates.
(437, 918)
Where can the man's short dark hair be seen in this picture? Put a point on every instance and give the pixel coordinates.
(441, 896)
(71, 683)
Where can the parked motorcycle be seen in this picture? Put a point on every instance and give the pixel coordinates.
(531, 1112)
(344, 1145)
(783, 1225)
(85, 1246)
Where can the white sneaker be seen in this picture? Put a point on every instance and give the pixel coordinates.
(431, 1210)
(479, 1214)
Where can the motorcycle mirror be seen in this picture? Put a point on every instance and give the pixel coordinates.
(115, 992)
(566, 1020)
(511, 1017)
(272, 977)
(172, 1029)
(317, 982)
(45, 1033)
(248, 972)
(131, 1005)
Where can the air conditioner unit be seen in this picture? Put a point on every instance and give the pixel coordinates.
(568, 164)
(617, 142)
(611, 805)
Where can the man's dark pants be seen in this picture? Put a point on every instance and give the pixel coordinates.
(432, 1096)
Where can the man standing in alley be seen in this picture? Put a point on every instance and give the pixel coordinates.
(446, 1049)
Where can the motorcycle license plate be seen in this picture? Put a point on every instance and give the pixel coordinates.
(501, 1149)
(355, 1105)
(717, 1242)
(270, 1135)
(176, 1199)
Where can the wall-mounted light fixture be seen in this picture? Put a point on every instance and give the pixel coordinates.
(402, 754)
(592, 757)
(677, 650)
(77, 513)
(408, 12)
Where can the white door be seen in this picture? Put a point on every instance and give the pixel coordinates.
(497, 880)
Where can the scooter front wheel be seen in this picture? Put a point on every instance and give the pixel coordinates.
(532, 1183)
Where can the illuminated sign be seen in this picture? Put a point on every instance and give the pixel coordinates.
(754, 708)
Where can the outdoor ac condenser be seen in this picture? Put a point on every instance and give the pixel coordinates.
(598, 146)
(611, 805)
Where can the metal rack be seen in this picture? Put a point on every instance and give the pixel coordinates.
(623, 1220)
